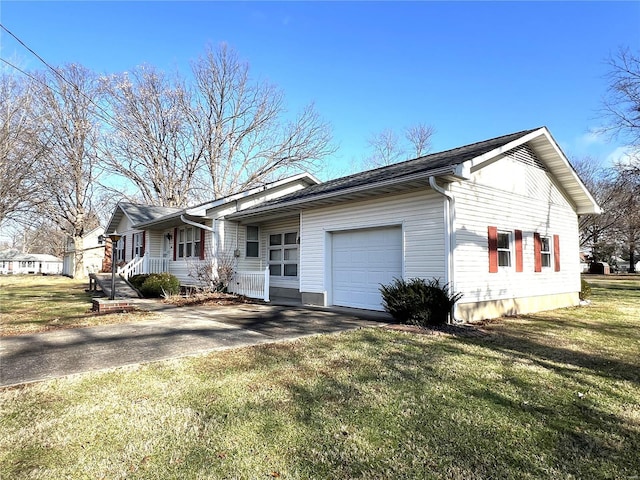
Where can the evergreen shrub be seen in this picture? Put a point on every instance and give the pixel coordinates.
(418, 302)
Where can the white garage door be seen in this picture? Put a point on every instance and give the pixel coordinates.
(361, 261)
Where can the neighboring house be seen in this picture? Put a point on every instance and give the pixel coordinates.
(93, 253)
(497, 220)
(16, 263)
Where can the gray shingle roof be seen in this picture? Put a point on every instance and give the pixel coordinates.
(425, 164)
(145, 213)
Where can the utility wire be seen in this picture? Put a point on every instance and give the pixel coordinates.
(32, 77)
(117, 125)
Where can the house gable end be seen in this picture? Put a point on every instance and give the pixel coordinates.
(538, 150)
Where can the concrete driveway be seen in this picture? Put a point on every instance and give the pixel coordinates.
(181, 331)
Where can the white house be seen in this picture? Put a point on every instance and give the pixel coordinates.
(92, 253)
(497, 220)
(12, 262)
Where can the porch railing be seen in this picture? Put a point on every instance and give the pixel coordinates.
(144, 264)
(134, 267)
(156, 264)
(251, 284)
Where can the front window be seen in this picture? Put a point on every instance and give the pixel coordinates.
(253, 242)
(189, 243)
(120, 250)
(283, 254)
(504, 249)
(545, 251)
(137, 244)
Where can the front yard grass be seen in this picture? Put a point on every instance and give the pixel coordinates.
(552, 395)
(34, 303)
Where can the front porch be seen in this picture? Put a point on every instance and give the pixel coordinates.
(251, 283)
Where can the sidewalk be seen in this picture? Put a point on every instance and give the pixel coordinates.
(181, 331)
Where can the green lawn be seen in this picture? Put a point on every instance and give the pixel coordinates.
(552, 395)
(35, 303)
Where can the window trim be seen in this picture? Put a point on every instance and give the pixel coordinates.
(120, 249)
(252, 241)
(188, 249)
(508, 249)
(282, 247)
(137, 247)
(545, 254)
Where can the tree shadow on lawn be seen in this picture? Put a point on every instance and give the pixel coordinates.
(538, 349)
(343, 388)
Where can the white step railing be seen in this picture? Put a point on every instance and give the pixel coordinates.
(134, 267)
(144, 264)
(251, 284)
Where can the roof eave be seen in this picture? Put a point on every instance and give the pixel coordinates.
(449, 173)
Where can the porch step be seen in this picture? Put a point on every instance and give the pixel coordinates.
(123, 289)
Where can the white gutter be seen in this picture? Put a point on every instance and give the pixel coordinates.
(255, 211)
(197, 225)
(450, 233)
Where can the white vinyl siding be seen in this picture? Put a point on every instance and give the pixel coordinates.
(420, 213)
(479, 205)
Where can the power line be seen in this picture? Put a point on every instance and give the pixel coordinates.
(38, 56)
(32, 77)
(117, 124)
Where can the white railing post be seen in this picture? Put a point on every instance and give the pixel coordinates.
(145, 263)
(266, 284)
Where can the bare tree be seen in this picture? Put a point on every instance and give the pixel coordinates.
(246, 133)
(152, 142)
(628, 228)
(66, 101)
(596, 230)
(19, 154)
(388, 148)
(621, 105)
(419, 137)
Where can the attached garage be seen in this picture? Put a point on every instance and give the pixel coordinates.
(362, 260)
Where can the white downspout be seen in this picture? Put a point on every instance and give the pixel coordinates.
(450, 232)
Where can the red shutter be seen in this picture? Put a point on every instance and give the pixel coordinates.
(124, 248)
(201, 244)
(493, 249)
(537, 252)
(518, 238)
(133, 246)
(144, 241)
(175, 243)
(556, 252)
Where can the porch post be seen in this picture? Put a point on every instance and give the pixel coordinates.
(145, 263)
(266, 284)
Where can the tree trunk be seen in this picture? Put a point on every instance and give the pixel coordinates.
(79, 270)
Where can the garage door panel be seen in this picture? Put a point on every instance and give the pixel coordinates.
(362, 260)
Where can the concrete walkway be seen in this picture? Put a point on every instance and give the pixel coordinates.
(180, 331)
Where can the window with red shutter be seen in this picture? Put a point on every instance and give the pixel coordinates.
(493, 249)
(518, 242)
(556, 252)
(537, 252)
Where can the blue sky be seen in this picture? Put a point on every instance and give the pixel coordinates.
(472, 70)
